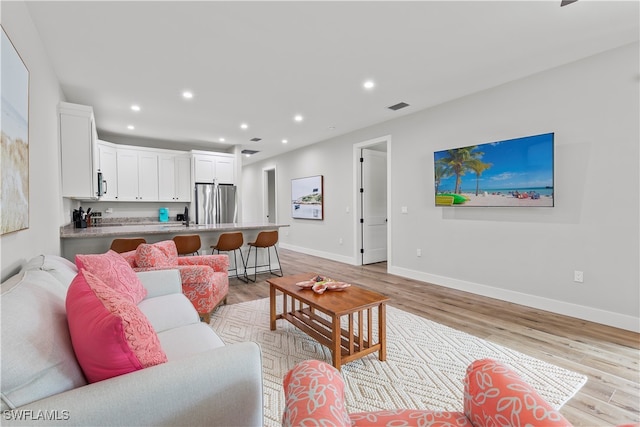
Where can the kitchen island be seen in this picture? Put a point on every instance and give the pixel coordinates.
(92, 240)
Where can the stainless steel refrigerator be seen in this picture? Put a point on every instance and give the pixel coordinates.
(216, 203)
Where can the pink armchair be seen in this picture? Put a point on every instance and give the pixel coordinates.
(494, 395)
(205, 279)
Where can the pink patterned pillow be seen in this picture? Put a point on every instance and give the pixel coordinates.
(110, 335)
(114, 271)
(130, 257)
(161, 254)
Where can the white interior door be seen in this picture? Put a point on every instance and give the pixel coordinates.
(374, 206)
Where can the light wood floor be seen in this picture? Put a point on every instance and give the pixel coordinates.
(608, 356)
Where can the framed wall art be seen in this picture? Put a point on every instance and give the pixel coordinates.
(307, 197)
(14, 167)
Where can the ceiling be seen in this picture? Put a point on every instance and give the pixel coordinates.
(261, 63)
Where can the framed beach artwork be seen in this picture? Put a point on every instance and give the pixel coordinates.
(307, 197)
(14, 158)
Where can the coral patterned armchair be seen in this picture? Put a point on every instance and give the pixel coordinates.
(205, 279)
(494, 395)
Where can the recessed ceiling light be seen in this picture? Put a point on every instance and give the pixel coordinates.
(369, 84)
(135, 107)
(131, 127)
(221, 139)
(298, 118)
(284, 141)
(244, 126)
(187, 94)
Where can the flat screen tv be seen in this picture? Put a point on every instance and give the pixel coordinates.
(516, 172)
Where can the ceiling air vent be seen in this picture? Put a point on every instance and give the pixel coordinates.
(398, 106)
(255, 139)
(249, 152)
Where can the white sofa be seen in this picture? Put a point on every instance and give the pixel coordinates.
(204, 382)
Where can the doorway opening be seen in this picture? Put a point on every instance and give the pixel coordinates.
(371, 194)
(269, 208)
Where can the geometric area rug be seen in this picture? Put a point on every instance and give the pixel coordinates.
(426, 362)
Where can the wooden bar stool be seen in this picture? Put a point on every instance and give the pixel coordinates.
(126, 245)
(266, 240)
(188, 244)
(228, 242)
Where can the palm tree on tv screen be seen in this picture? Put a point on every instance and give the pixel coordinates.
(478, 167)
(441, 172)
(458, 161)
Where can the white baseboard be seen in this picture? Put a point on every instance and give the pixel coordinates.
(321, 254)
(591, 314)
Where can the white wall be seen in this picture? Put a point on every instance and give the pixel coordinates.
(522, 255)
(45, 205)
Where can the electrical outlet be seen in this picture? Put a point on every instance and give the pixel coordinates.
(404, 209)
(419, 252)
(578, 276)
(340, 240)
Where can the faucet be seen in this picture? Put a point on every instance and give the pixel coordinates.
(186, 216)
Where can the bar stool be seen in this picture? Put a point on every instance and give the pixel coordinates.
(228, 242)
(188, 244)
(265, 239)
(126, 245)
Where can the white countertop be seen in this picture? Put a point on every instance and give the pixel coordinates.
(69, 232)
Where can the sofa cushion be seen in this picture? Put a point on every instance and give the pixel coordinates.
(114, 271)
(162, 254)
(168, 311)
(188, 340)
(37, 357)
(110, 335)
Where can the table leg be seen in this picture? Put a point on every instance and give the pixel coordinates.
(336, 336)
(272, 307)
(382, 332)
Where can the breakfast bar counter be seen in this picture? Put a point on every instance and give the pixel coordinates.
(98, 239)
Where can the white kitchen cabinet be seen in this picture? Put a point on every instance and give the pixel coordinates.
(137, 175)
(107, 166)
(225, 170)
(78, 151)
(209, 167)
(174, 177)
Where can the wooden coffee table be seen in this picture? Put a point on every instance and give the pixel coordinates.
(346, 344)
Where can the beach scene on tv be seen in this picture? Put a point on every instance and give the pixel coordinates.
(515, 172)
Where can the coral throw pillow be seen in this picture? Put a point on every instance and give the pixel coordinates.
(115, 271)
(162, 254)
(109, 334)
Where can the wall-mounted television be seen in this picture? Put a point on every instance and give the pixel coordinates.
(515, 172)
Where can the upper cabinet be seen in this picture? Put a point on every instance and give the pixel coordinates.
(78, 151)
(137, 175)
(174, 177)
(208, 167)
(93, 169)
